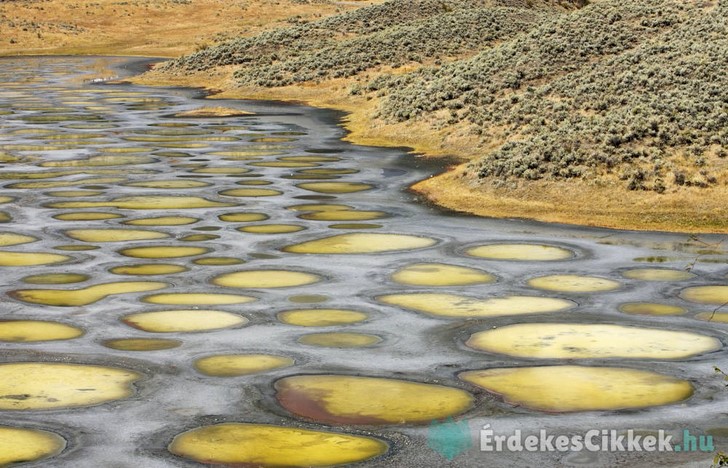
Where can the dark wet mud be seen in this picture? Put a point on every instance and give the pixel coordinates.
(250, 290)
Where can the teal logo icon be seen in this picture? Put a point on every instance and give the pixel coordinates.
(449, 438)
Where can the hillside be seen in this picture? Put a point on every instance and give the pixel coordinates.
(609, 112)
(144, 27)
(600, 112)
(390, 34)
(636, 91)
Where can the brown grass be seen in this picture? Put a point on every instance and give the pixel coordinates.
(159, 28)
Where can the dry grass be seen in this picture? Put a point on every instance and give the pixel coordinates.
(160, 28)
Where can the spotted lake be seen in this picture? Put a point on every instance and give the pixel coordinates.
(251, 290)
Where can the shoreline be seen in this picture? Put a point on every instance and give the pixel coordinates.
(168, 30)
(689, 211)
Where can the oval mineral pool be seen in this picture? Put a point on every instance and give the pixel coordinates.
(197, 299)
(169, 251)
(86, 216)
(141, 344)
(51, 385)
(521, 252)
(361, 243)
(76, 248)
(578, 388)
(573, 283)
(658, 274)
(451, 305)
(35, 330)
(99, 161)
(182, 145)
(183, 321)
(591, 341)
(218, 261)
(56, 278)
(237, 444)
(346, 399)
(254, 182)
(717, 317)
(355, 226)
(271, 228)
(272, 139)
(126, 150)
(266, 279)
(650, 308)
(19, 445)
(297, 176)
(8, 238)
(199, 237)
(65, 183)
(175, 184)
(716, 295)
(316, 207)
(242, 155)
(221, 170)
(114, 235)
(251, 192)
(84, 296)
(163, 221)
(234, 365)
(440, 274)
(242, 217)
(335, 187)
(343, 215)
(321, 317)
(152, 202)
(340, 340)
(91, 126)
(74, 193)
(148, 269)
(15, 259)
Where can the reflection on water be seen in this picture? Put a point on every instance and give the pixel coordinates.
(314, 315)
